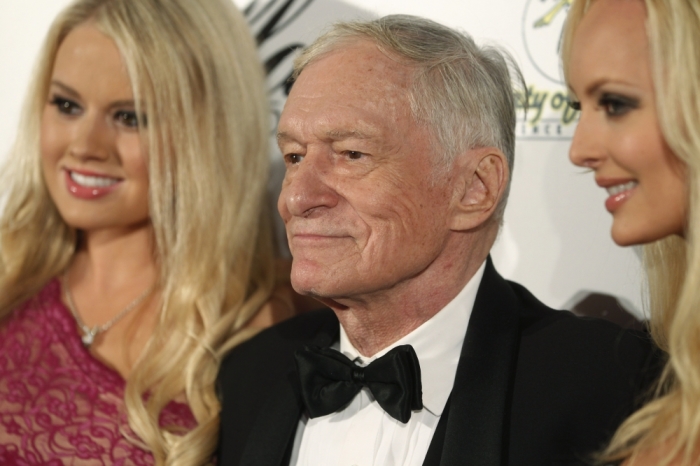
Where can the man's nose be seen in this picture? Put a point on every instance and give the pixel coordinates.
(92, 138)
(306, 190)
(586, 146)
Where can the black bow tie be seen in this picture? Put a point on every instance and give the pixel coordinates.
(329, 381)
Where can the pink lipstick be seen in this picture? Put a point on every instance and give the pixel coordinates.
(88, 185)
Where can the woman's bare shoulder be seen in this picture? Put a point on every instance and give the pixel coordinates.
(655, 456)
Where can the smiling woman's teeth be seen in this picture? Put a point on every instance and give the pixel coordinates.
(92, 181)
(621, 188)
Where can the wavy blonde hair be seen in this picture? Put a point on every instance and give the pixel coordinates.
(196, 75)
(672, 420)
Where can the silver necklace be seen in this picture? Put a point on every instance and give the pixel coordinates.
(89, 333)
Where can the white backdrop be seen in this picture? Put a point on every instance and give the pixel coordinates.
(555, 238)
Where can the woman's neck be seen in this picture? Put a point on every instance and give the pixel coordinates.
(108, 261)
(110, 271)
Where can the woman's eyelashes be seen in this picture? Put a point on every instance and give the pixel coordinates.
(65, 106)
(616, 105)
(129, 119)
(613, 104)
(126, 118)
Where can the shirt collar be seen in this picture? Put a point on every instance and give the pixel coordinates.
(437, 343)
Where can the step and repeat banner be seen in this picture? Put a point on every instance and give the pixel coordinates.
(555, 238)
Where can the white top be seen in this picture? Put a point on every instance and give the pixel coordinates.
(362, 434)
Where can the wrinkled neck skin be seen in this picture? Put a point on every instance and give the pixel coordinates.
(373, 322)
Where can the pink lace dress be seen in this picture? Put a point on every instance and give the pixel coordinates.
(58, 404)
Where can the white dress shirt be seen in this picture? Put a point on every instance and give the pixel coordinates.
(363, 434)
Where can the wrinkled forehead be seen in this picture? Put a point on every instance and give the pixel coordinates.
(360, 66)
(358, 80)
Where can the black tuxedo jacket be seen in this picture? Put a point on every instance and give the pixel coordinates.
(534, 386)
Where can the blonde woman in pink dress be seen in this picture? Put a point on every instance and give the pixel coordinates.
(134, 246)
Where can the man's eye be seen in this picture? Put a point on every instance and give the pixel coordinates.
(294, 158)
(615, 105)
(354, 155)
(129, 119)
(65, 106)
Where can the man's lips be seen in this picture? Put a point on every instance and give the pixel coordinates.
(315, 236)
(309, 238)
(89, 185)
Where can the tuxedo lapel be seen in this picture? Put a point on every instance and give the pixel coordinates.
(476, 429)
(474, 426)
(434, 454)
(273, 432)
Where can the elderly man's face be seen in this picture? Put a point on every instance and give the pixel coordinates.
(361, 206)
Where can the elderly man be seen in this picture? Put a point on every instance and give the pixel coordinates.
(398, 136)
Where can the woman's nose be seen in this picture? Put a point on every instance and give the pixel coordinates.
(92, 138)
(586, 147)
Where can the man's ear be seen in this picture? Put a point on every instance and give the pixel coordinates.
(481, 179)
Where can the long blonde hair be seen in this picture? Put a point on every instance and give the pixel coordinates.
(672, 420)
(196, 75)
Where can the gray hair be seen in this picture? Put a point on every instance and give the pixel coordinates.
(464, 92)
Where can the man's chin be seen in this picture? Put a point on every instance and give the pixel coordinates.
(324, 282)
(309, 277)
(316, 289)
(331, 303)
(312, 290)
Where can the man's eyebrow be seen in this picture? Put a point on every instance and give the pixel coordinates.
(333, 135)
(339, 134)
(283, 136)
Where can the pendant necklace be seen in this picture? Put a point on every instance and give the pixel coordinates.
(89, 333)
